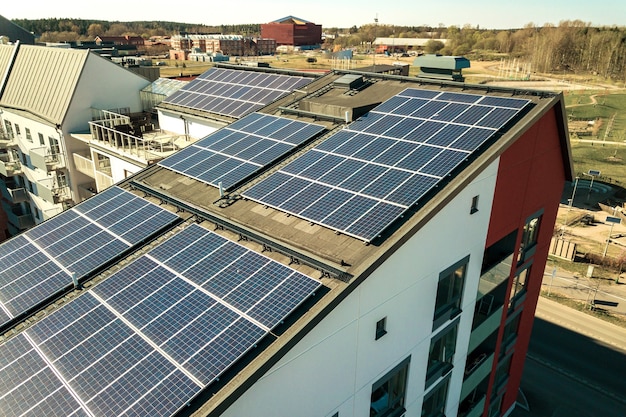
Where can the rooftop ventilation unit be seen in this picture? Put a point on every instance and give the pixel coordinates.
(349, 82)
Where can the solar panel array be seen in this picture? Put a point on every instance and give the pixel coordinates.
(366, 176)
(38, 263)
(235, 93)
(241, 149)
(153, 335)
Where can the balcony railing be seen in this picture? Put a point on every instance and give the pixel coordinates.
(45, 160)
(54, 195)
(10, 168)
(14, 194)
(7, 141)
(84, 164)
(18, 218)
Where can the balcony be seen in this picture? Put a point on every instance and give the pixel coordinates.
(43, 159)
(133, 138)
(11, 192)
(84, 163)
(53, 194)
(9, 168)
(17, 217)
(472, 407)
(477, 369)
(7, 141)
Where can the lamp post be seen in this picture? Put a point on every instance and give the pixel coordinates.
(612, 220)
(592, 173)
(571, 203)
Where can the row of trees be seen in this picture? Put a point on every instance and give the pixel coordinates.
(67, 30)
(572, 46)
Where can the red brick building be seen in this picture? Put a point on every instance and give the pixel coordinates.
(293, 31)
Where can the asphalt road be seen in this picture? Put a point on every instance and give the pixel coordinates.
(576, 365)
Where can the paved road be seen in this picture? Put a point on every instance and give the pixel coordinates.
(576, 365)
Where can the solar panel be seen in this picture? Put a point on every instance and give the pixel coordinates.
(238, 151)
(362, 178)
(154, 334)
(235, 93)
(38, 264)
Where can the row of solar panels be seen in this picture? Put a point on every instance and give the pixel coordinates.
(235, 93)
(362, 178)
(40, 263)
(152, 336)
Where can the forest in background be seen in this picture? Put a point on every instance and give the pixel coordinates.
(571, 46)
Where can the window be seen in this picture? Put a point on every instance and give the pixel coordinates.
(474, 207)
(441, 354)
(435, 402)
(41, 140)
(449, 292)
(502, 373)
(381, 328)
(518, 288)
(17, 130)
(509, 333)
(529, 238)
(9, 128)
(388, 393)
(29, 137)
(54, 146)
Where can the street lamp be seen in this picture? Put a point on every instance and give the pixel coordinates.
(571, 203)
(592, 173)
(612, 220)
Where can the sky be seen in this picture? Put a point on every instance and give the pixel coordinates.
(487, 14)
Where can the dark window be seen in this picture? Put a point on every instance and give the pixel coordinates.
(449, 293)
(41, 139)
(435, 402)
(474, 207)
(529, 238)
(388, 394)
(441, 354)
(518, 287)
(509, 333)
(381, 328)
(29, 137)
(502, 373)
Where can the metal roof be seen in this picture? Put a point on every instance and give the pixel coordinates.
(42, 81)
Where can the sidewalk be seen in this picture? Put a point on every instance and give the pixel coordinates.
(605, 294)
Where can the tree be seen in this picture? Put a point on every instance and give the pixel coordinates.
(433, 46)
(95, 29)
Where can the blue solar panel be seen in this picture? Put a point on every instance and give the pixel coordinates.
(38, 264)
(238, 151)
(235, 92)
(29, 386)
(362, 178)
(150, 338)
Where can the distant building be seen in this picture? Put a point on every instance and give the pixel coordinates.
(441, 67)
(235, 45)
(292, 31)
(120, 40)
(15, 33)
(392, 45)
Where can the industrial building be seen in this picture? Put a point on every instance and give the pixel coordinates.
(293, 32)
(367, 244)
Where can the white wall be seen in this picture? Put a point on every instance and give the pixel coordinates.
(196, 128)
(33, 174)
(333, 367)
(102, 85)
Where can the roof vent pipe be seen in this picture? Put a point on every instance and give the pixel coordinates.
(75, 280)
(347, 116)
(219, 185)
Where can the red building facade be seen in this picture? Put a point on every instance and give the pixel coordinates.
(292, 31)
